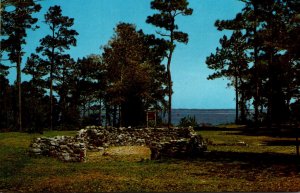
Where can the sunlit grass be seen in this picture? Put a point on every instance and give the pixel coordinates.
(231, 126)
(213, 173)
(225, 140)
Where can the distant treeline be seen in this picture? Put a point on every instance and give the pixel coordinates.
(261, 59)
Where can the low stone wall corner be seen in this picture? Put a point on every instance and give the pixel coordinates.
(62, 147)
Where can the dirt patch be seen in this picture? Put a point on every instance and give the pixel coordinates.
(128, 153)
(128, 150)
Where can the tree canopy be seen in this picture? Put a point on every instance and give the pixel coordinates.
(268, 29)
(14, 26)
(135, 74)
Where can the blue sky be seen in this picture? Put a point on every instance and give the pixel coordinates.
(96, 19)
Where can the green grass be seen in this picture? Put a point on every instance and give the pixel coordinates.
(224, 140)
(231, 126)
(227, 167)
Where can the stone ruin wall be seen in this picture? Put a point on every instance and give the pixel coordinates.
(173, 142)
(64, 148)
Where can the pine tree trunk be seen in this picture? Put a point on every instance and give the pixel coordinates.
(100, 113)
(170, 95)
(114, 116)
(120, 116)
(51, 100)
(170, 80)
(271, 77)
(256, 97)
(19, 91)
(51, 81)
(107, 114)
(297, 145)
(63, 97)
(236, 101)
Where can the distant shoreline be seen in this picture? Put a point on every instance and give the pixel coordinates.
(203, 116)
(194, 109)
(198, 109)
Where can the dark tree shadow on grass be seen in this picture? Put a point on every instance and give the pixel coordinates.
(13, 162)
(280, 143)
(276, 163)
(214, 128)
(273, 132)
(249, 158)
(235, 165)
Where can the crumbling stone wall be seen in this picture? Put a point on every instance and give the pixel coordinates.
(180, 148)
(64, 148)
(173, 142)
(104, 137)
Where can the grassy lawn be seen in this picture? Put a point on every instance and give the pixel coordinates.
(234, 162)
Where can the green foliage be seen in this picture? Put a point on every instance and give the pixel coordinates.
(89, 88)
(3, 68)
(7, 119)
(266, 45)
(14, 26)
(188, 121)
(53, 68)
(168, 11)
(231, 61)
(295, 112)
(135, 77)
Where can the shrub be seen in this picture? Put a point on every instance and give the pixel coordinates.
(188, 121)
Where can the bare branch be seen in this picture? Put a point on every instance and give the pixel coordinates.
(4, 59)
(181, 12)
(162, 34)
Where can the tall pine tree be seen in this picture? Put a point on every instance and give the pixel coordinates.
(14, 26)
(169, 10)
(53, 46)
(231, 61)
